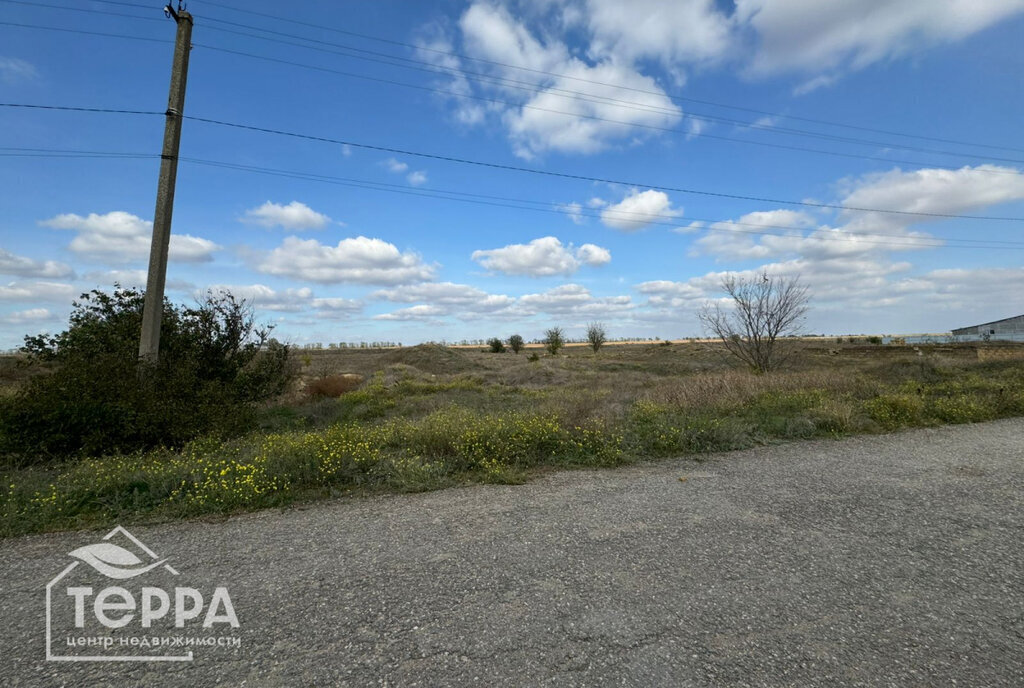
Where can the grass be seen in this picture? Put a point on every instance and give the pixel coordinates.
(499, 417)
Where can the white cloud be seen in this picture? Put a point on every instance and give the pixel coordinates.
(338, 307)
(591, 254)
(574, 301)
(421, 312)
(358, 260)
(673, 33)
(465, 296)
(813, 84)
(120, 237)
(14, 69)
(574, 211)
(417, 178)
(795, 234)
(263, 297)
(33, 315)
(294, 216)
(541, 258)
(935, 190)
(20, 266)
(299, 300)
(36, 291)
(812, 36)
(638, 210)
(395, 166)
(547, 120)
(132, 278)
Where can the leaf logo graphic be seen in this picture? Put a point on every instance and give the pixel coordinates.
(113, 561)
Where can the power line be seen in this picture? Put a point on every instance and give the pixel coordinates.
(558, 92)
(397, 61)
(70, 108)
(88, 10)
(547, 207)
(580, 177)
(661, 219)
(671, 130)
(86, 33)
(528, 170)
(676, 96)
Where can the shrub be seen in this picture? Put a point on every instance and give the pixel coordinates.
(596, 335)
(554, 340)
(215, 363)
(515, 342)
(497, 346)
(893, 411)
(533, 357)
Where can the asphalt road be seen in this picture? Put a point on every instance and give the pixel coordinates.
(874, 561)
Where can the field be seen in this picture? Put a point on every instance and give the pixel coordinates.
(361, 421)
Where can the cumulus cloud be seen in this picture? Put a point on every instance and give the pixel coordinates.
(545, 119)
(933, 191)
(796, 35)
(336, 307)
(673, 33)
(132, 278)
(263, 297)
(32, 315)
(20, 266)
(358, 260)
(541, 258)
(574, 301)
(791, 233)
(417, 178)
(299, 300)
(120, 237)
(620, 44)
(395, 166)
(294, 216)
(36, 291)
(638, 210)
(421, 312)
(447, 294)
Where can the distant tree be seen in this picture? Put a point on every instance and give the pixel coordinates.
(554, 339)
(596, 335)
(497, 346)
(515, 342)
(764, 308)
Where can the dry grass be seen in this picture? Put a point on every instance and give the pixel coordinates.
(333, 385)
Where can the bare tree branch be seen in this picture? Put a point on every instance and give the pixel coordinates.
(765, 309)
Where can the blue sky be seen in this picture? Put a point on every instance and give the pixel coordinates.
(908, 106)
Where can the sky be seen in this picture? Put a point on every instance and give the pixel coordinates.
(447, 170)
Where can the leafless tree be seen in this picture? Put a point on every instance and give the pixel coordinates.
(596, 335)
(765, 309)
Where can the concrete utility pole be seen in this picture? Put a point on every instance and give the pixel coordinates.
(152, 310)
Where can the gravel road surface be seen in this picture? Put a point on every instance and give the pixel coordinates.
(874, 561)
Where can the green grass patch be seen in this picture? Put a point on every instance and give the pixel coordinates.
(414, 434)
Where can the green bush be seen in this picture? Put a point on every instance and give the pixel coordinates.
(893, 411)
(496, 345)
(554, 340)
(95, 399)
(515, 342)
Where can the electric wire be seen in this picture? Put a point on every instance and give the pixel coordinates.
(675, 96)
(519, 168)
